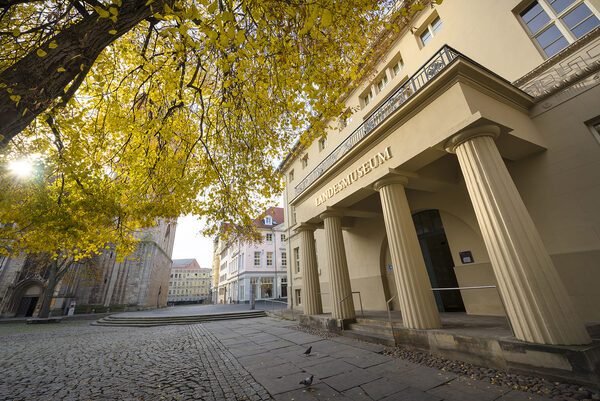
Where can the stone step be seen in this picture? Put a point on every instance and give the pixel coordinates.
(373, 322)
(152, 321)
(373, 329)
(183, 317)
(370, 337)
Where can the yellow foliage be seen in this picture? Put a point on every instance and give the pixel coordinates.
(189, 116)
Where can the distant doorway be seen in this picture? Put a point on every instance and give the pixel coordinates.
(438, 260)
(284, 287)
(27, 306)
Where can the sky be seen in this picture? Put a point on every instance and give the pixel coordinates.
(190, 243)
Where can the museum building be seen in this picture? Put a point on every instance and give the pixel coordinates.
(469, 158)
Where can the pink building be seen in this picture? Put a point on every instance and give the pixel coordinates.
(263, 265)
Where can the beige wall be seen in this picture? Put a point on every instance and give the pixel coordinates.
(551, 155)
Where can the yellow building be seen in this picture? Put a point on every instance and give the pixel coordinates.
(470, 157)
(189, 283)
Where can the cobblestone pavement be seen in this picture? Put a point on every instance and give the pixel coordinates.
(76, 361)
(251, 359)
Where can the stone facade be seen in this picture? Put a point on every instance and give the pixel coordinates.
(467, 158)
(140, 281)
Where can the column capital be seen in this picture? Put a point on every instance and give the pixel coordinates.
(305, 227)
(331, 213)
(395, 179)
(462, 137)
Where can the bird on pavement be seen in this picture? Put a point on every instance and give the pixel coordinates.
(307, 381)
(307, 352)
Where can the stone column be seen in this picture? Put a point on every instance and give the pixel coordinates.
(311, 297)
(339, 278)
(535, 298)
(417, 303)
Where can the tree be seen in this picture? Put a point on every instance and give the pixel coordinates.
(147, 109)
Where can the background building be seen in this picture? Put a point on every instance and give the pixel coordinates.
(469, 157)
(189, 283)
(140, 281)
(262, 265)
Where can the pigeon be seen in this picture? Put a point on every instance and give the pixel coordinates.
(307, 352)
(307, 381)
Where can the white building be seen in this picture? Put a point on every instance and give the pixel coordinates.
(262, 265)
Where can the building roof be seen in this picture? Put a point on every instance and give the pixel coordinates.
(183, 262)
(276, 214)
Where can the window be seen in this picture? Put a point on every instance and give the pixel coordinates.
(293, 209)
(304, 161)
(431, 30)
(298, 298)
(282, 237)
(269, 258)
(269, 237)
(291, 176)
(266, 287)
(398, 67)
(297, 259)
(322, 144)
(595, 129)
(268, 220)
(382, 83)
(283, 258)
(256, 258)
(368, 97)
(554, 24)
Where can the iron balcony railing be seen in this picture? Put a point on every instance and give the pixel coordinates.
(428, 71)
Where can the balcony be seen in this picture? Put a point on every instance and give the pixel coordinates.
(440, 60)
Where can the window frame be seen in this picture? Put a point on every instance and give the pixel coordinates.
(297, 260)
(269, 237)
(283, 258)
(383, 81)
(594, 127)
(322, 144)
(400, 64)
(269, 258)
(555, 19)
(429, 29)
(367, 98)
(304, 161)
(257, 253)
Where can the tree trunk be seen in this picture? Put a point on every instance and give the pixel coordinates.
(37, 81)
(49, 291)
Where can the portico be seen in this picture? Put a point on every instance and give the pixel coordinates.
(361, 212)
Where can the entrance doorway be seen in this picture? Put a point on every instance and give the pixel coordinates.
(27, 306)
(438, 260)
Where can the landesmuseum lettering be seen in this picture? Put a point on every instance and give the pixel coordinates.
(377, 160)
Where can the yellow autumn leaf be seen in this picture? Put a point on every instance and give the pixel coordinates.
(53, 45)
(41, 52)
(112, 32)
(60, 69)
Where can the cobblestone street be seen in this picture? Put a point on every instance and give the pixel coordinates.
(76, 361)
(252, 359)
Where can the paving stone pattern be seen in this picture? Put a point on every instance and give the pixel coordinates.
(251, 359)
(343, 368)
(76, 361)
